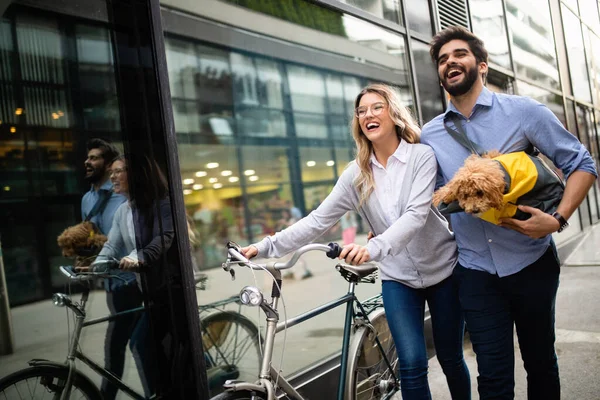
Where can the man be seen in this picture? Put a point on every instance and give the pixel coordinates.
(507, 275)
(99, 206)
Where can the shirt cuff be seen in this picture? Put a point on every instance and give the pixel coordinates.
(374, 250)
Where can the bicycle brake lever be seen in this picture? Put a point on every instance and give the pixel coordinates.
(232, 272)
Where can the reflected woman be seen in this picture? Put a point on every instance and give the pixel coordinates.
(143, 230)
(390, 184)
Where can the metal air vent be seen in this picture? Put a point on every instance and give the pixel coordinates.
(453, 13)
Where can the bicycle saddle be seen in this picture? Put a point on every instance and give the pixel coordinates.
(359, 270)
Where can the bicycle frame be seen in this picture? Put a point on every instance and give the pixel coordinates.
(268, 374)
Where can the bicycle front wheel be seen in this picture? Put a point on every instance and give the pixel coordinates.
(231, 349)
(368, 375)
(45, 382)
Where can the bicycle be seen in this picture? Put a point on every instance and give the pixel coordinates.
(368, 359)
(227, 337)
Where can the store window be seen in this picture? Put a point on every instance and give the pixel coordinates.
(577, 62)
(385, 9)
(430, 92)
(533, 48)
(488, 21)
(552, 100)
(419, 16)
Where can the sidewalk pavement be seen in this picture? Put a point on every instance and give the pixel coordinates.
(577, 331)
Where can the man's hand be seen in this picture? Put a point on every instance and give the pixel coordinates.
(355, 254)
(249, 251)
(539, 225)
(128, 264)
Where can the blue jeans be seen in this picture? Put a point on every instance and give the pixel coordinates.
(405, 311)
(492, 306)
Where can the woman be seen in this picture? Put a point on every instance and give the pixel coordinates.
(390, 184)
(143, 230)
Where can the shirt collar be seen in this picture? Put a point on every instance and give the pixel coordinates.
(401, 154)
(485, 99)
(108, 186)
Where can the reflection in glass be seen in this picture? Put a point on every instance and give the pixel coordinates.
(487, 17)
(588, 9)
(592, 47)
(427, 78)
(532, 39)
(575, 51)
(552, 101)
(589, 138)
(419, 16)
(385, 9)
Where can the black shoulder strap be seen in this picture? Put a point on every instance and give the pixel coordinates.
(100, 204)
(461, 136)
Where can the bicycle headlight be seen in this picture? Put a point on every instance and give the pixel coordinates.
(251, 296)
(59, 299)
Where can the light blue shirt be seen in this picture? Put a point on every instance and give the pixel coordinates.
(104, 221)
(506, 123)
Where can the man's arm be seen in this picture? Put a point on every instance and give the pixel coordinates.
(541, 224)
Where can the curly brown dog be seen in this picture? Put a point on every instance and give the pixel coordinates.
(83, 241)
(478, 185)
(490, 187)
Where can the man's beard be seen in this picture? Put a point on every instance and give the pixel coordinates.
(471, 76)
(95, 177)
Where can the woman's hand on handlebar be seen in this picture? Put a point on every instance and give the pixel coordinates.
(249, 251)
(128, 264)
(355, 254)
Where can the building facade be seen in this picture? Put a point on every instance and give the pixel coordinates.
(262, 96)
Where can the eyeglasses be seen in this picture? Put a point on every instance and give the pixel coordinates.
(116, 171)
(376, 109)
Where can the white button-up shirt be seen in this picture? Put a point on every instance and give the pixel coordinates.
(388, 180)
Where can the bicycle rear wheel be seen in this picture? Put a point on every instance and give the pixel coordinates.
(44, 382)
(368, 376)
(231, 349)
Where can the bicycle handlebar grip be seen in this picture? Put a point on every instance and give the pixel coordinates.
(334, 250)
(104, 266)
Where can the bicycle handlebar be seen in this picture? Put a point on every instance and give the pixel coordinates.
(97, 270)
(235, 256)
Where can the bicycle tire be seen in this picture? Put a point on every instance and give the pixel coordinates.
(368, 376)
(231, 347)
(48, 379)
(240, 395)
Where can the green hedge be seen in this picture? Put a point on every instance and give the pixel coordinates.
(299, 12)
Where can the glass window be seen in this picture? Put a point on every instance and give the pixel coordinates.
(317, 164)
(592, 47)
(588, 136)
(487, 17)
(588, 9)
(385, 9)
(419, 16)
(572, 4)
(551, 100)
(532, 39)
(96, 75)
(430, 93)
(307, 92)
(575, 50)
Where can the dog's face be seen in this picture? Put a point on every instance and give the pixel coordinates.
(477, 186)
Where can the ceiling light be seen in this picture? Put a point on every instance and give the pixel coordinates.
(212, 165)
(7, 188)
(55, 116)
(18, 111)
(253, 178)
(200, 174)
(13, 129)
(330, 163)
(234, 179)
(218, 185)
(310, 163)
(188, 181)
(213, 180)
(226, 173)
(197, 186)
(187, 191)
(249, 172)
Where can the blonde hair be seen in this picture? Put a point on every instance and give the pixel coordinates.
(407, 129)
